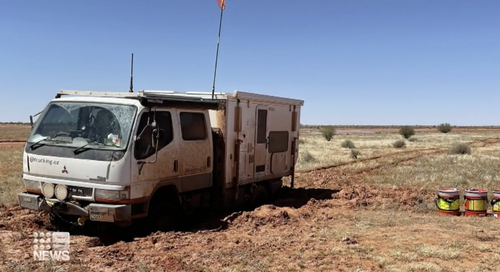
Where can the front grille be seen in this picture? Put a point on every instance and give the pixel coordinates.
(79, 191)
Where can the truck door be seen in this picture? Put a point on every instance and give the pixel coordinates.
(168, 147)
(196, 160)
(261, 141)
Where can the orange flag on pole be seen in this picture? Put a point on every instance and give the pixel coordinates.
(222, 4)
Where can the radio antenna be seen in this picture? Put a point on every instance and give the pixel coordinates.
(222, 6)
(131, 90)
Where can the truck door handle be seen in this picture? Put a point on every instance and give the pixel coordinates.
(176, 166)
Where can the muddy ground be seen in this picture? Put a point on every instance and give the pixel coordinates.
(269, 229)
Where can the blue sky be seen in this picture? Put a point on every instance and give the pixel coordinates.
(359, 62)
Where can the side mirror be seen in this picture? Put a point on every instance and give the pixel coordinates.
(31, 119)
(155, 138)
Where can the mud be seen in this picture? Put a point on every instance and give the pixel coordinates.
(183, 251)
(189, 250)
(398, 198)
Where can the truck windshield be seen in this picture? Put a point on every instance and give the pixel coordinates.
(79, 124)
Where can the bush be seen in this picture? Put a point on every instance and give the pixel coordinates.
(444, 128)
(302, 141)
(328, 132)
(348, 144)
(406, 131)
(355, 153)
(459, 149)
(307, 157)
(412, 139)
(399, 144)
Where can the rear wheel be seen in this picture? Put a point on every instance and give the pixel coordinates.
(259, 197)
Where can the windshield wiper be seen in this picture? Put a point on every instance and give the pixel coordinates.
(85, 147)
(81, 149)
(38, 144)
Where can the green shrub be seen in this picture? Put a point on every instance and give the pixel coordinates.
(307, 157)
(444, 128)
(348, 144)
(407, 131)
(412, 139)
(399, 144)
(328, 132)
(459, 149)
(355, 153)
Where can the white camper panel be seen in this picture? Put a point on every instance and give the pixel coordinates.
(266, 127)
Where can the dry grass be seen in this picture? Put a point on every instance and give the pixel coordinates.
(14, 132)
(331, 152)
(434, 171)
(10, 173)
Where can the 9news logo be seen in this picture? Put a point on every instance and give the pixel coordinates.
(51, 246)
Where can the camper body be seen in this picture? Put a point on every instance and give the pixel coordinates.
(157, 155)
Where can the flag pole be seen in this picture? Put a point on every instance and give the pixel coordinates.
(222, 6)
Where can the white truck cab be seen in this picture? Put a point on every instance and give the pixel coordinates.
(116, 157)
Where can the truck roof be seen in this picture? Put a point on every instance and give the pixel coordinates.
(158, 97)
(113, 100)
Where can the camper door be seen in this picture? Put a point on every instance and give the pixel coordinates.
(261, 140)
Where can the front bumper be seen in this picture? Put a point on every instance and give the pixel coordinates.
(94, 211)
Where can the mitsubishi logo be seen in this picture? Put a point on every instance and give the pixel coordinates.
(64, 170)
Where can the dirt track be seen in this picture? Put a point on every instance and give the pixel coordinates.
(12, 143)
(420, 152)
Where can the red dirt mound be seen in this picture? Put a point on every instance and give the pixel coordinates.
(17, 219)
(371, 195)
(267, 215)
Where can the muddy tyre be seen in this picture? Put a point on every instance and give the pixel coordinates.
(164, 217)
(61, 222)
(259, 197)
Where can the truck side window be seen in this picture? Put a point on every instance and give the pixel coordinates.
(193, 126)
(278, 141)
(143, 146)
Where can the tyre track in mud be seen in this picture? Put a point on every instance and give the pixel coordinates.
(420, 152)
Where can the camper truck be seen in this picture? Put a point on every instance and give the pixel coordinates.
(156, 155)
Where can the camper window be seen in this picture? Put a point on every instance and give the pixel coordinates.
(144, 146)
(193, 126)
(278, 141)
(261, 126)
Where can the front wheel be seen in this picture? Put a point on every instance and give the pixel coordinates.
(62, 222)
(164, 217)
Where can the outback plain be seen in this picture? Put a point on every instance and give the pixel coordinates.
(362, 201)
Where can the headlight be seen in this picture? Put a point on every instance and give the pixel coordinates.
(48, 190)
(61, 192)
(32, 185)
(112, 194)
